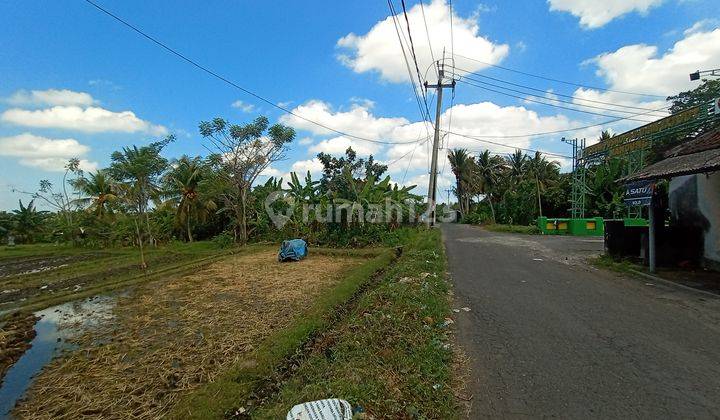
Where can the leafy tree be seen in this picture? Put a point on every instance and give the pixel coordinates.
(27, 221)
(244, 151)
(707, 91)
(605, 198)
(333, 179)
(59, 199)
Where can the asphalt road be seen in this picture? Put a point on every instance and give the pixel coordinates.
(550, 336)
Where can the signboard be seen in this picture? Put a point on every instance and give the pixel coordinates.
(639, 193)
(636, 139)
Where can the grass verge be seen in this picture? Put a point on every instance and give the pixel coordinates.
(391, 355)
(609, 263)
(528, 230)
(216, 399)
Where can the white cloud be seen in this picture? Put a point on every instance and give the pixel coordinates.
(358, 120)
(302, 166)
(702, 25)
(306, 141)
(596, 13)
(45, 153)
(338, 146)
(90, 120)
(640, 68)
(480, 119)
(50, 97)
(379, 50)
(242, 106)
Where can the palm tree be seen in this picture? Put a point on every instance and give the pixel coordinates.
(605, 135)
(489, 167)
(183, 183)
(462, 165)
(517, 162)
(98, 193)
(542, 170)
(137, 170)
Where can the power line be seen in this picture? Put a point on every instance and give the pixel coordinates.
(560, 81)
(481, 140)
(452, 35)
(549, 104)
(546, 133)
(553, 101)
(554, 93)
(230, 82)
(412, 45)
(397, 25)
(427, 32)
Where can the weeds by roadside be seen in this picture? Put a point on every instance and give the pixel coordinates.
(528, 230)
(610, 263)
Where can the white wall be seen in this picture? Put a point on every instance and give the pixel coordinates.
(709, 203)
(696, 198)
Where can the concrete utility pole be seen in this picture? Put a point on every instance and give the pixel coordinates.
(432, 184)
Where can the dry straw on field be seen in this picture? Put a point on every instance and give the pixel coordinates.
(171, 336)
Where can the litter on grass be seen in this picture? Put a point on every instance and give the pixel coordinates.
(330, 409)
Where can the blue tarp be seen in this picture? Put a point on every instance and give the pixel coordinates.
(292, 250)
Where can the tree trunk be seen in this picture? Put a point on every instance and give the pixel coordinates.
(537, 183)
(143, 265)
(242, 217)
(189, 230)
(492, 209)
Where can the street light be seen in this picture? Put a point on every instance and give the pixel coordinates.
(698, 73)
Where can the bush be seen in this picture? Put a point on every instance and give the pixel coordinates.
(224, 240)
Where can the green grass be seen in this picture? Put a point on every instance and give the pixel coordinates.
(609, 263)
(390, 356)
(103, 270)
(215, 399)
(32, 250)
(528, 230)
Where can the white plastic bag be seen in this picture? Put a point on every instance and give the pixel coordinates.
(330, 409)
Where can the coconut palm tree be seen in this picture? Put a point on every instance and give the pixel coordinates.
(98, 193)
(183, 187)
(489, 168)
(605, 135)
(517, 162)
(542, 171)
(462, 165)
(137, 171)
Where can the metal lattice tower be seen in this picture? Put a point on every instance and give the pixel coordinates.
(579, 188)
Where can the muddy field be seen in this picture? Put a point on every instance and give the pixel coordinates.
(28, 279)
(168, 337)
(15, 336)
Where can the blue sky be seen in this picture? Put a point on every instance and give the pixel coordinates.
(77, 83)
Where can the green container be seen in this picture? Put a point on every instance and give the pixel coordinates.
(577, 227)
(635, 222)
